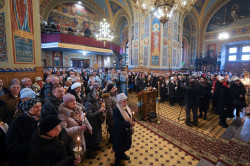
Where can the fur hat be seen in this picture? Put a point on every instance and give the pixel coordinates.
(76, 85)
(121, 97)
(27, 93)
(38, 79)
(68, 98)
(48, 123)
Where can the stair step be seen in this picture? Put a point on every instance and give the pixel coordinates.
(243, 133)
(205, 162)
(232, 130)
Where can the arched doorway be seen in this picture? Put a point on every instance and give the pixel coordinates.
(184, 52)
(189, 41)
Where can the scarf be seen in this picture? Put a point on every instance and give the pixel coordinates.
(125, 115)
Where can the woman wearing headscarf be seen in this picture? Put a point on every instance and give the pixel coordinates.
(123, 129)
(96, 116)
(20, 132)
(74, 120)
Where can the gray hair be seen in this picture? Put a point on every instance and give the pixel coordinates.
(25, 79)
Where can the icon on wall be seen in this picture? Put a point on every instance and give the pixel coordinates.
(1, 4)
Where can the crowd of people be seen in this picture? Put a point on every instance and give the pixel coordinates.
(47, 120)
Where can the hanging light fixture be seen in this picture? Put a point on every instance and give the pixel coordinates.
(224, 35)
(164, 9)
(104, 32)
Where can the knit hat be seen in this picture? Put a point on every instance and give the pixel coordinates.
(121, 97)
(27, 93)
(28, 104)
(96, 85)
(110, 86)
(38, 79)
(69, 78)
(68, 98)
(48, 123)
(76, 85)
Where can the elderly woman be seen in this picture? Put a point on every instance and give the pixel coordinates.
(96, 116)
(73, 119)
(75, 90)
(19, 135)
(123, 128)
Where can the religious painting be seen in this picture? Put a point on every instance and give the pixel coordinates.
(24, 50)
(211, 50)
(123, 30)
(3, 43)
(74, 15)
(22, 31)
(236, 14)
(198, 5)
(155, 41)
(57, 59)
(1, 4)
(22, 15)
(155, 60)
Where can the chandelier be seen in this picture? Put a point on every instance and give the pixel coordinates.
(164, 9)
(104, 32)
(224, 35)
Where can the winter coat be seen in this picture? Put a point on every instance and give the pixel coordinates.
(18, 140)
(122, 138)
(172, 91)
(236, 91)
(8, 106)
(225, 100)
(191, 95)
(48, 91)
(47, 151)
(71, 122)
(217, 88)
(110, 104)
(50, 107)
(205, 90)
(96, 119)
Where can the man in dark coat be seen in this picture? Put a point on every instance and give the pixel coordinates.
(50, 107)
(218, 86)
(204, 98)
(3, 90)
(238, 94)
(20, 132)
(123, 129)
(8, 104)
(162, 84)
(172, 91)
(225, 104)
(51, 145)
(95, 115)
(48, 87)
(191, 97)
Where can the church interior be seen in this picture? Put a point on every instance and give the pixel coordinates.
(164, 38)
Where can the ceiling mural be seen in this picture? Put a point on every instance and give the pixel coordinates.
(199, 4)
(237, 13)
(115, 7)
(74, 15)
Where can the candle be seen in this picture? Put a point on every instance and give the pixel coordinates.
(78, 144)
(159, 92)
(84, 117)
(133, 114)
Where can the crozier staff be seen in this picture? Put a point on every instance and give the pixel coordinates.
(123, 129)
